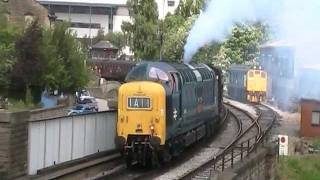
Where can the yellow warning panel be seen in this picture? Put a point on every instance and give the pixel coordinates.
(256, 81)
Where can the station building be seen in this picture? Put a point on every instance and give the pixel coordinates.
(88, 16)
(310, 118)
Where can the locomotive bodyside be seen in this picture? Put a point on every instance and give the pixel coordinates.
(166, 107)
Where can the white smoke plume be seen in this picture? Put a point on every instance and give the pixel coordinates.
(293, 20)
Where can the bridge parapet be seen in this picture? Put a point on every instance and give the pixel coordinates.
(29, 145)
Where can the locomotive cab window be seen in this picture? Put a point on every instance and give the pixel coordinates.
(137, 73)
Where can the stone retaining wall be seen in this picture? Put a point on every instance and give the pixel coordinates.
(259, 165)
(13, 144)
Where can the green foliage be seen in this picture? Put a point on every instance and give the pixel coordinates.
(243, 44)
(214, 54)
(99, 37)
(8, 35)
(72, 74)
(30, 62)
(56, 76)
(241, 47)
(30, 66)
(188, 8)
(143, 32)
(41, 58)
(299, 167)
(175, 29)
(316, 143)
(175, 37)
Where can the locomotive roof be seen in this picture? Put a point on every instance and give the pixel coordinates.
(189, 72)
(171, 66)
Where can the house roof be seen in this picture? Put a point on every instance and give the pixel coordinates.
(104, 45)
(97, 3)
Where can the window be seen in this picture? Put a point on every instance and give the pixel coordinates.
(85, 25)
(158, 74)
(171, 3)
(315, 121)
(137, 73)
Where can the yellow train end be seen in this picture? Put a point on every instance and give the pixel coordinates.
(256, 85)
(141, 113)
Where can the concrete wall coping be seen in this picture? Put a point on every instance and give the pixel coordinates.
(47, 109)
(54, 118)
(5, 116)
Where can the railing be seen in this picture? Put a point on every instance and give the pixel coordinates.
(245, 148)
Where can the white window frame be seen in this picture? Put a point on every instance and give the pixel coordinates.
(315, 118)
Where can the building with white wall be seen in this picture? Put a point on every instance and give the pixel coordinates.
(88, 16)
(166, 6)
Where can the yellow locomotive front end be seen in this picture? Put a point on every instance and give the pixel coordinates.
(141, 117)
(256, 85)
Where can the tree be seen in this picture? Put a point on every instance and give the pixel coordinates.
(188, 8)
(175, 38)
(243, 44)
(143, 32)
(30, 66)
(69, 52)
(99, 37)
(176, 27)
(56, 76)
(8, 35)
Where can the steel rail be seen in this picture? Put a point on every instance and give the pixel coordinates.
(240, 134)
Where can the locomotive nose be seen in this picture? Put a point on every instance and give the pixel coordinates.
(142, 105)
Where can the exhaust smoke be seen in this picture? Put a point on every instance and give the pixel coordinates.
(293, 21)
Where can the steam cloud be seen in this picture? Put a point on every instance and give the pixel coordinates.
(293, 21)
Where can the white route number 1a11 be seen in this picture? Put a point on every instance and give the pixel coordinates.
(283, 145)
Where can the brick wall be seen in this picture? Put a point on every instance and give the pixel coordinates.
(306, 128)
(4, 144)
(13, 144)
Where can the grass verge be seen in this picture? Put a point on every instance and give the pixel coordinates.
(302, 167)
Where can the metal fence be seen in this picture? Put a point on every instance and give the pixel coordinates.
(244, 148)
(57, 140)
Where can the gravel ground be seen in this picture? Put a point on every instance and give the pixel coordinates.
(289, 123)
(226, 135)
(243, 106)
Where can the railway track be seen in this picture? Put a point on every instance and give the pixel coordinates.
(240, 132)
(253, 133)
(236, 124)
(136, 172)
